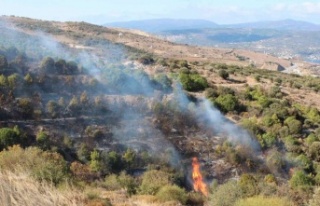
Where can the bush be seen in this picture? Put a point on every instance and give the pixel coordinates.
(294, 125)
(227, 103)
(275, 161)
(112, 183)
(226, 194)
(300, 180)
(128, 183)
(47, 65)
(3, 62)
(43, 140)
(248, 185)
(263, 201)
(172, 193)
(152, 181)
(49, 166)
(192, 82)
(223, 74)
(8, 137)
(164, 81)
(314, 151)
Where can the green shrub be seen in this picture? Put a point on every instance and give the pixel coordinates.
(111, 182)
(42, 165)
(153, 180)
(226, 194)
(311, 139)
(300, 180)
(269, 139)
(294, 125)
(172, 193)
(192, 82)
(8, 137)
(304, 162)
(223, 74)
(227, 103)
(314, 151)
(128, 183)
(248, 185)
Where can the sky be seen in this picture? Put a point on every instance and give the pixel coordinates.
(106, 11)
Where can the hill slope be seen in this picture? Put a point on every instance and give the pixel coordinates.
(121, 110)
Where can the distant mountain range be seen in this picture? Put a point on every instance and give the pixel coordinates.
(287, 24)
(286, 38)
(160, 25)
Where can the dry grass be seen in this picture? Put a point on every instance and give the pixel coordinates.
(17, 189)
(119, 198)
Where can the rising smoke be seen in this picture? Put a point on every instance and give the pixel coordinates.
(134, 88)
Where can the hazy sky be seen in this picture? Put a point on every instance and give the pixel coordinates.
(225, 11)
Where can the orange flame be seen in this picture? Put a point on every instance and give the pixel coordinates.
(198, 184)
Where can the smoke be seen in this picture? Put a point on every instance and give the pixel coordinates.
(224, 127)
(129, 94)
(213, 119)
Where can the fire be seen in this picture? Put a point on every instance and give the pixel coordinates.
(198, 184)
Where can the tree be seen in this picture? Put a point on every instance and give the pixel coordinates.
(28, 79)
(129, 157)
(47, 65)
(71, 68)
(84, 100)
(8, 137)
(114, 162)
(95, 161)
(13, 80)
(3, 81)
(60, 66)
(43, 140)
(3, 62)
(25, 107)
(74, 104)
(53, 108)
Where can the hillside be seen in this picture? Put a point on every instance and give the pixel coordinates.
(286, 39)
(127, 118)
